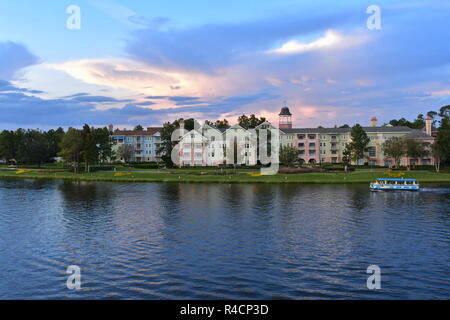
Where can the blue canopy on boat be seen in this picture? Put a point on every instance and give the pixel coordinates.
(384, 179)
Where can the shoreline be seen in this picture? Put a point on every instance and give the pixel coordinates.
(303, 178)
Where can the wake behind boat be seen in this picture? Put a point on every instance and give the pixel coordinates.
(394, 184)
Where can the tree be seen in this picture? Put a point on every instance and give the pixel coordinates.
(418, 123)
(33, 148)
(438, 155)
(8, 146)
(443, 139)
(54, 138)
(250, 122)
(444, 112)
(345, 126)
(288, 155)
(125, 151)
(220, 124)
(359, 143)
(104, 144)
(395, 148)
(138, 128)
(347, 156)
(415, 149)
(72, 146)
(167, 145)
(89, 151)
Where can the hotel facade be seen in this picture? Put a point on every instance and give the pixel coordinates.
(210, 146)
(145, 143)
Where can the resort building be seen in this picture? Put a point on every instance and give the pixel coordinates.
(145, 143)
(326, 145)
(207, 145)
(211, 146)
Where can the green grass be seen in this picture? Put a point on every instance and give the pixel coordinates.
(359, 176)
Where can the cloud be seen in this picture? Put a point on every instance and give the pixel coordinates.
(20, 108)
(210, 47)
(127, 16)
(14, 57)
(331, 39)
(324, 63)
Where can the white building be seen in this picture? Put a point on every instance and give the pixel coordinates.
(145, 143)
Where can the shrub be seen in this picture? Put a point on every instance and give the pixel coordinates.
(145, 165)
(299, 170)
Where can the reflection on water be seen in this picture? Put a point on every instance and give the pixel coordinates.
(159, 241)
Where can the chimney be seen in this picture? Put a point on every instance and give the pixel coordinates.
(428, 125)
(181, 122)
(110, 127)
(373, 122)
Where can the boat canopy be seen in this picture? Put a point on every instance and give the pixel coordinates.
(384, 179)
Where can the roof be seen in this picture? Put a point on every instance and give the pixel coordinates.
(285, 112)
(149, 132)
(348, 130)
(418, 134)
(400, 179)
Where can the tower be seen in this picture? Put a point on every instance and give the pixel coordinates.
(285, 118)
(428, 122)
(373, 122)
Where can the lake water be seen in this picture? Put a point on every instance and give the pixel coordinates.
(220, 241)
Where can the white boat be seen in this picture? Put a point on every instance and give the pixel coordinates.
(395, 184)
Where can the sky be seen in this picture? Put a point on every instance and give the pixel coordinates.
(147, 62)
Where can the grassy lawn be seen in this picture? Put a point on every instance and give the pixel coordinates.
(359, 176)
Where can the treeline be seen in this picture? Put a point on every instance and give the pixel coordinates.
(88, 145)
(419, 122)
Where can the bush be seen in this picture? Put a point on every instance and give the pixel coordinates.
(423, 167)
(337, 167)
(101, 168)
(145, 165)
(299, 170)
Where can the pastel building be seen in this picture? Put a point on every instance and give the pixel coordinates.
(211, 146)
(320, 145)
(145, 143)
(207, 145)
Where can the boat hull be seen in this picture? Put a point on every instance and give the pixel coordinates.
(394, 188)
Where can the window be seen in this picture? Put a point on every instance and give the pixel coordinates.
(311, 136)
(312, 145)
(300, 136)
(372, 152)
(301, 145)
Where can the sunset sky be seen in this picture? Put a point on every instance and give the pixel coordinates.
(146, 62)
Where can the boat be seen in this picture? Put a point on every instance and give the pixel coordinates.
(383, 184)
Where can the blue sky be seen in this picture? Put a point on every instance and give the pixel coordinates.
(151, 61)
